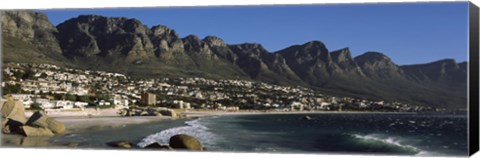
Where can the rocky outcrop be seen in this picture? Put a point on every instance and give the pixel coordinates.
(166, 41)
(218, 46)
(39, 119)
(250, 59)
(378, 66)
(12, 116)
(311, 62)
(158, 146)
(30, 131)
(446, 70)
(262, 65)
(15, 122)
(30, 27)
(13, 110)
(90, 36)
(168, 46)
(185, 142)
(345, 62)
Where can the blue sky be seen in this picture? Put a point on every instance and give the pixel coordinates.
(409, 33)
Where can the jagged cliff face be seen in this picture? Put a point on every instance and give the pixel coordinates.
(345, 62)
(168, 45)
(440, 71)
(97, 36)
(378, 65)
(126, 45)
(310, 61)
(218, 46)
(30, 27)
(250, 60)
(28, 36)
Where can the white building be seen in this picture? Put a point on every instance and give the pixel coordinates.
(64, 104)
(45, 103)
(80, 104)
(103, 103)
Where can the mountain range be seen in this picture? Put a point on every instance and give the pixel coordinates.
(127, 46)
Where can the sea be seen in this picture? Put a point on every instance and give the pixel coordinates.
(342, 133)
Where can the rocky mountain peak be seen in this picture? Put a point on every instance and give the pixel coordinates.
(314, 44)
(161, 30)
(31, 27)
(166, 41)
(214, 41)
(442, 70)
(193, 44)
(306, 53)
(90, 18)
(250, 49)
(371, 57)
(93, 35)
(191, 38)
(342, 55)
(378, 65)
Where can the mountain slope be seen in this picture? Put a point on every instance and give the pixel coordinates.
(28, 36)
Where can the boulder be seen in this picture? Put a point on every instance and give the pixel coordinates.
(158, 146)
(183, 141)
(11, 127)
(169, 112)
(56, 126)
(123, 112)
(39, 119)
(36, 131)
(144, 113)
(13, 110)
(120, 144)
(6, 130)
(157, 114)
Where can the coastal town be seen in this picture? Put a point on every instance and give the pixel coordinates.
(50, 87)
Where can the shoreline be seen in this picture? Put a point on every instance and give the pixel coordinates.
(78, 120)
(108, 120)
(200, 113)
(79, 124)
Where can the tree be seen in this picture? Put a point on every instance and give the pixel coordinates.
(28, 74)
(84, 98)
(35, 106)
(9, 89)
(71, 97)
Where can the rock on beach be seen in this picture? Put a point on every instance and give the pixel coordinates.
(186, 142)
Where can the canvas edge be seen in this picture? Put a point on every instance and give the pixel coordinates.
(473, 79)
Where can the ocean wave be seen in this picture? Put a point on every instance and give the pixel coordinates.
(388, 143)
(194, 128)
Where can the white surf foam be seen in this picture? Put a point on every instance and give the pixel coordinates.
(387, 140)
(193, 128)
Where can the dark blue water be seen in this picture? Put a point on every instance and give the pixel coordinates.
(391, 134)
